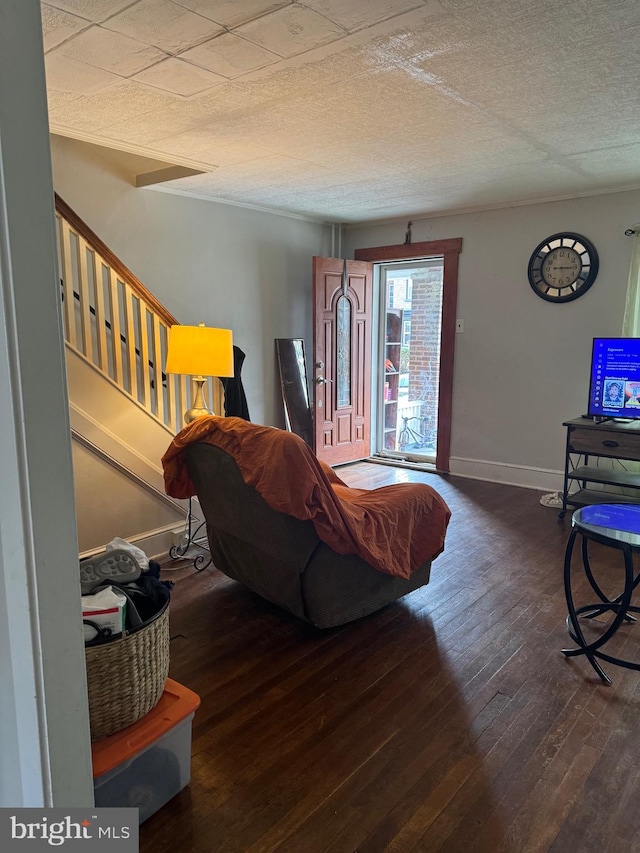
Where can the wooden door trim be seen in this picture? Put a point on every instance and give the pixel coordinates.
(409, 251)
(449, 250)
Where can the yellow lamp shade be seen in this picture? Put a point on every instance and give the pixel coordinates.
(200, 351)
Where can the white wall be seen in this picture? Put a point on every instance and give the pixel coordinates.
(225, 266)
(522, 364)
(112, 435)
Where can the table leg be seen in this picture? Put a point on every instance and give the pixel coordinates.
(575, 631)
(596, 588)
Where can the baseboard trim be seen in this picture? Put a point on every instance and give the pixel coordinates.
(155, 543)
(527, 477)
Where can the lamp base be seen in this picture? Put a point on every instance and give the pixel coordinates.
(198, 409)
(192, 414)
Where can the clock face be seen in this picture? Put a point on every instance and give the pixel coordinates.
(563, 267)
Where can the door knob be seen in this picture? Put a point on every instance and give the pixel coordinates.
(320, 380)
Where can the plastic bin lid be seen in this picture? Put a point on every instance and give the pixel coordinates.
(176, 703)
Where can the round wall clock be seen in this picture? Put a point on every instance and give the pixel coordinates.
(563, 267)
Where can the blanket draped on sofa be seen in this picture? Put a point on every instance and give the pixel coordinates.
(394, 528)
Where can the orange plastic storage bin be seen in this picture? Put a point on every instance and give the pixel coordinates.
(148, 763)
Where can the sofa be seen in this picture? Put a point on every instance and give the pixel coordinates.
(284, 524)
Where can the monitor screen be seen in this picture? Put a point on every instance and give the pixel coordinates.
(614, 387)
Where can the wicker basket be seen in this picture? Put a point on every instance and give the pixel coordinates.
(126, 677)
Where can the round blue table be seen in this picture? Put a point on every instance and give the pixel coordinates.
(617, 526)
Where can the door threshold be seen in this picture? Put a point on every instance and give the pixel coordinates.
(403, 463)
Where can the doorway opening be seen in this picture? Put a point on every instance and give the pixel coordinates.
(409, 346)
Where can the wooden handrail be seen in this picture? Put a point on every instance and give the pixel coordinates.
(117, 325)
(113, 261)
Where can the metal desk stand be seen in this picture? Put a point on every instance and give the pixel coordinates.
(192, 538)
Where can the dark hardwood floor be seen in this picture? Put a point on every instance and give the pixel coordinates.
(447, 721)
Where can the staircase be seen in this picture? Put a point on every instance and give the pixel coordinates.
(124, 409)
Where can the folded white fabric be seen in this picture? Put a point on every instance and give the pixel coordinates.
(106, 608)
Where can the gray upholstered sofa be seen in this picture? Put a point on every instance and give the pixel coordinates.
(280, 557)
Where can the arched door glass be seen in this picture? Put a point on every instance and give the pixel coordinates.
(343, 364)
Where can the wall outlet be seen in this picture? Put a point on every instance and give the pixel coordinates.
(179, 538)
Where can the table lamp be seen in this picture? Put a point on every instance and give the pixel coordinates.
(199, 352)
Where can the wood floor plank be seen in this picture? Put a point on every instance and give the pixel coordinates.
(448, 721)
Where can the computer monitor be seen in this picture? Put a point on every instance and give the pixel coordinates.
(614, 385)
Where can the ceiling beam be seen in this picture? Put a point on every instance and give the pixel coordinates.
(160, 176)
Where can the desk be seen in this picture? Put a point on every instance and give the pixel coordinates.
(594, 465)
(617, 526)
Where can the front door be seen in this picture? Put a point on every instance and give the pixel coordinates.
(342, 353)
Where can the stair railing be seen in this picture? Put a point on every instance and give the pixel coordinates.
(118, 326)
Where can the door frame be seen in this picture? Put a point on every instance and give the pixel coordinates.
(449, 250)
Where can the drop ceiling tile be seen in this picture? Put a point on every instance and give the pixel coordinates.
(560, 137)
(455, 104)
(230, 56)
(91, 10)
(68, 75)
(157, 124)
(136, 131)
(70, 119)
(611, 165)
(58, 103)
(354, 14)
(515, 183)
(256, 174)
(314, 79)
(58, 26)
(111, 51)
(181, 78)
(231, 13)
(206, 146)
(126, 101)
(163, 24)
(291, 31)
(132, 132)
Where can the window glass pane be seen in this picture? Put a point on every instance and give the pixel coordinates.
(411, 304)
(343, 367)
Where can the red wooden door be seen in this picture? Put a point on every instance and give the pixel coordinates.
(342, 354)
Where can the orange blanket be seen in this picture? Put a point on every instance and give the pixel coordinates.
(394, 528)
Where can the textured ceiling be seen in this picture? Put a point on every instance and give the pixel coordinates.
(357, 110)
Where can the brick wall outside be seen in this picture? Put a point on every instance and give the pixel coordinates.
(424, 349)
